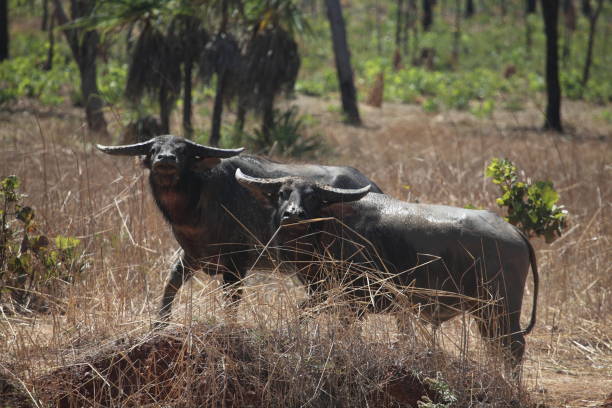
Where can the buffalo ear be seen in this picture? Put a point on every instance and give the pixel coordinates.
(206, 163)
(264, 190)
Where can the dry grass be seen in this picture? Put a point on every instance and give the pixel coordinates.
(431, 158)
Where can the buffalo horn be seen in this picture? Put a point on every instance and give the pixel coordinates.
(268, 185)
(137, 149)
(206, 151)
(332, 195)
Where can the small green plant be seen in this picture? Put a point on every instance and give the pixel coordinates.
(30, 264)
(288, 136)
(445, 394)
(531, 206)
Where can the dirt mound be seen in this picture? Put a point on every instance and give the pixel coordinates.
(214, 366)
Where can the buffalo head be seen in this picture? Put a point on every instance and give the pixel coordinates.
(168, 157)
(295, 199)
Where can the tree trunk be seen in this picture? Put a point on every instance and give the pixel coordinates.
(51, 36)
(469, 8)
(528, 35)
(589, 55)
(84, 47)
(399, 24)
(427, 14)
(531, 6)
(550, 11)
(379, 34)
(215, 132)
(413, 9)
(569, 14)
(4, 30)
(268, 121)
(164, 109)
(456, 34)
(240, 115)
(343, 62)
(504, 9)
(44, 25)
(585, 5)
(187, 85)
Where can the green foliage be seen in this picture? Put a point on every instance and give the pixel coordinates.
(445, 394)
(30, 264)
(24, 76)
(531, 206)
(287, 137)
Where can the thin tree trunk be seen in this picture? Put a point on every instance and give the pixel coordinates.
(44, 25)
(469, 8)
(415, 27)
(164, 109)
(550, 11)
(504, 9)
(569, 14)
(531, 6)
(84, 49)
(427, 15)
(589, 55)
(456, 34)
(585, 5)
(51, 36)
(379, 35)
(528, 35)
(4, 30)
(215, 132)
(399, 24)
(343, 62)
(267, 124)
(187, 85)
(240, 115)
(406, 26)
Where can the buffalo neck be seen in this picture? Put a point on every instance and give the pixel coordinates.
(177, 202)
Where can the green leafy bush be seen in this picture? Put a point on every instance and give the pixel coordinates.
(31, 265)
(531, 206)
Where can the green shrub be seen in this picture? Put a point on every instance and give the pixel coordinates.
(287, 137)
(531, 206)
(31, 265)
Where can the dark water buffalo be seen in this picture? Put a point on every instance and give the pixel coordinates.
(214, 219)
(466, 260)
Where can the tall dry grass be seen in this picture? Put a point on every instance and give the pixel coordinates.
(106, 203)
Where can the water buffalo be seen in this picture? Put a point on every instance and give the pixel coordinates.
(214, 219)
(466, 260)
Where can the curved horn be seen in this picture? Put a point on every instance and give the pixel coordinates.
(206, 151)
(334, 195)
(268, 185)
(137, 149)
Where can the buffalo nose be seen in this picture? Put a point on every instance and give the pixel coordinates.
(294, 212)
(166, 157)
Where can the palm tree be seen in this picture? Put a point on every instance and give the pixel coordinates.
(222, 58)
(154, 69)
(187, 33)
(272, 60)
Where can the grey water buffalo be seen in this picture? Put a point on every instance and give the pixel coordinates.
(214, 219)
(465, 260)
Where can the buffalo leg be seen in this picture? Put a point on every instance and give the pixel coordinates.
(495, 323)
(232, 290)
(181, 272)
